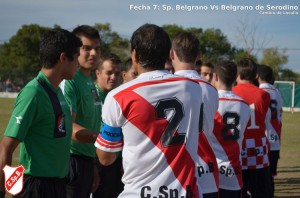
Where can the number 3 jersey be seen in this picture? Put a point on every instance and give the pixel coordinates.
(274, 117)
(155, 120)
(255, 146)
(229, 127)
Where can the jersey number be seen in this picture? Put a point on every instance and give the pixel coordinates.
(231, 121)
(273, 107)
(173, 106)
(252, 118)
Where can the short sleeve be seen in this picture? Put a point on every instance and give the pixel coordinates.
(110, 138)
(23, 114)
(69, 90)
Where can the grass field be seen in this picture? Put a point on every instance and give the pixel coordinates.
(288, 178)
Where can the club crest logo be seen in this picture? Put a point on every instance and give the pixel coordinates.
(13, 179)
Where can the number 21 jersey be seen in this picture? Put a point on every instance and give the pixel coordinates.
(155, 120)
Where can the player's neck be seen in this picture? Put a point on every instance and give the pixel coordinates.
(86, 72)
(221, 86)
(53, 76)
(239, 81)
(183, 66)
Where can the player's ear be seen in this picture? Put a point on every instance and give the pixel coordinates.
(172, 55)
(63, 57)
(133, 57)
(97, 72)
(123, 74)
(215, 77)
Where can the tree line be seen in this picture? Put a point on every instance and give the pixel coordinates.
(19, 59)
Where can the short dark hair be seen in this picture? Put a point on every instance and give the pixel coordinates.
(56, 41)
(115, 59)
(187, 46)
(208, 64)
(265, 73)
(198, 65)
(226, 71)
(152, 46)
(87, 31)
(247, 69)
(127, 65)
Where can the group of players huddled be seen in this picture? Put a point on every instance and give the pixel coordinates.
(176, 127)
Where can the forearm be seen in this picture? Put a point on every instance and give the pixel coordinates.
(106, 158)
(82, 134)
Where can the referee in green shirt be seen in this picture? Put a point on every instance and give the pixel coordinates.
(41, 121)
(82, 96)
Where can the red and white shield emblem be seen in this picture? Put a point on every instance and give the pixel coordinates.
(13, 179)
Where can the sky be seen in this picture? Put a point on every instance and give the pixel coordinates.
(276, 23)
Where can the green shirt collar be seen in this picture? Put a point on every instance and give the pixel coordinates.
(44, 77)
(101, 93)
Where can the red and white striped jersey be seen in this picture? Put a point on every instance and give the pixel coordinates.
(229, 126)
(255, 146)
(274, 117)
(207, 167)
(155, 120)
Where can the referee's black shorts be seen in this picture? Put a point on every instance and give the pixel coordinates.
(42, 187)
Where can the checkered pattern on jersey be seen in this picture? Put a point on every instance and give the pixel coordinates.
(255, 153)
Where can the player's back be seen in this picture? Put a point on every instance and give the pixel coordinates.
(273, 123)
(255, 144)
(207, 167)
(258, 101)
(229, 126)
(159, 115)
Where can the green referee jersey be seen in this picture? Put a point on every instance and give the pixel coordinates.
(32, 122)
(82, 96)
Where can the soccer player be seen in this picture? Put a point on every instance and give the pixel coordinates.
(205, 70)
(108, 77)
(155, 120)
(41, 121)
(255, 146)
(184, 53)
(82, 96)
(274, 117)
(229, 127)
(128, 71)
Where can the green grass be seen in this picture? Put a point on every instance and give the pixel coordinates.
(6, 106)
(288, 179)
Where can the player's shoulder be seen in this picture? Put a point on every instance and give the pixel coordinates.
(230, 95)
(32, 88)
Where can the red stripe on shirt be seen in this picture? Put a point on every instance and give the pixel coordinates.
(104, 143)
(207, 155)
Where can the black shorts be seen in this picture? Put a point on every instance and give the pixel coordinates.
(110, 180)
(273, 157)
(257, 182)
(80, 177)
(223, 193)
(211, 195)
(42, 187)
